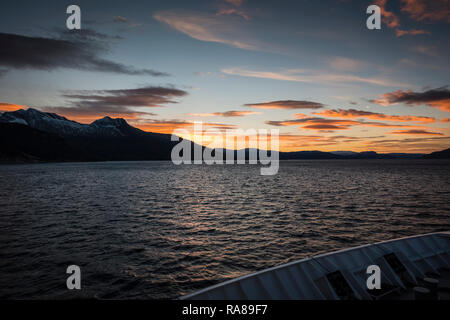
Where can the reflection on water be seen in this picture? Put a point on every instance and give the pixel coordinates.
(155, 230)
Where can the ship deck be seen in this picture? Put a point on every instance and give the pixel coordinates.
(416, 267)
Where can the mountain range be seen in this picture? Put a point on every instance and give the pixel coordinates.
(33, 136)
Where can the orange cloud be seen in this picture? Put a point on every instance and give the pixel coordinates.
(423, 144)
(415, 132)
(353, 113)
(4, 107)
(294, 142)
(389, 18)
(412, 32)
(334, 124)
(443, 104)
(435, 10)
(233, 11)
(300, 115)
(322, 142)
(291, 142)
(445, 120)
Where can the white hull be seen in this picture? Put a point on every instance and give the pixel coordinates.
(342, 274)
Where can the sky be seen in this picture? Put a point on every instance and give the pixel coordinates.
(311, 69)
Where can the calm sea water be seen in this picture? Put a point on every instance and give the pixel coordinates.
(156, 230)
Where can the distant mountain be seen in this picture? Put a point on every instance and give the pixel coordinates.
(347, 155)
(375, 155)
(344, 153)
(308, 155)
(444, 154)
(33, 135)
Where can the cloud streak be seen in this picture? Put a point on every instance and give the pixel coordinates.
(412, 32)
(311, 76)
(353, 113)
(225, 114)
(208, 27)
(169, 126)
(417, 132)
(317, 123)
(286, 105)
(424, 143)
(126, 22)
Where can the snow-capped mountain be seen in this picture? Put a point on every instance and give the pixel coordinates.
(53, 123)
(33, 135)
(114, 127)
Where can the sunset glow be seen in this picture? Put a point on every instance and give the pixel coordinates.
(357, 89)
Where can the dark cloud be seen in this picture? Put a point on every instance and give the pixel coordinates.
(419, 132)
(84, 35)
(233, 113)
(324, 127)
(140, 97)
(124, 21)
(87, 114)
(438, 98)
(120, 19)
(92, 104)
(286, 104)
(75, 52)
